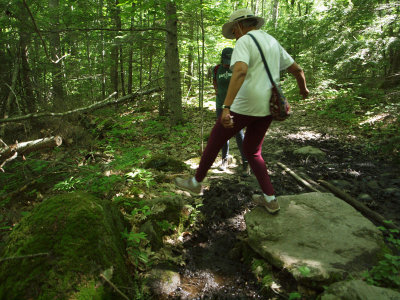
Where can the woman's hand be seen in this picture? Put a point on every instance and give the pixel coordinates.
(226, 118)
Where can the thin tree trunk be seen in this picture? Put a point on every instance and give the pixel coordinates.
(130, 56)
(173, 94)
(11, 94)
(121, 65)
(201, 77)
(102, 55)
(88, 53)
(140, 53)
(190, 54)
(55, 54)
(275, 13)
(114, 54)
(24, 41)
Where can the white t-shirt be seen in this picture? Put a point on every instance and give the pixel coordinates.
(253, 96)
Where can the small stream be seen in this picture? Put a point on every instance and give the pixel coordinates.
(214, 264)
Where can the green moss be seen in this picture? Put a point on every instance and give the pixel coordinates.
(82, 235)
(165, 163)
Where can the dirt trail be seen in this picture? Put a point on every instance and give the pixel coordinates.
(215, 264)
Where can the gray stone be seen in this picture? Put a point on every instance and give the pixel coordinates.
(358, 290)
(310, 151)
(317, 237)
(164, 282)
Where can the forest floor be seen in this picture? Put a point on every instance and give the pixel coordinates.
(213, 270)
(215, 267)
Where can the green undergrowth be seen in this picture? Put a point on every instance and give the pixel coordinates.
(368, 112)
(387, 272)
(128, 163)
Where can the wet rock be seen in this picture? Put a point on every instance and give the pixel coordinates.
(164, 282)
(310, 151)
(357, 289)
(317, 237)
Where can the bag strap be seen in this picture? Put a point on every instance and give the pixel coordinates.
(263, 59)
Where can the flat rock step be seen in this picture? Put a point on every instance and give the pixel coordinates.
(317, 237)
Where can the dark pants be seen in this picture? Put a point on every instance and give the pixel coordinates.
(256, 127)
(239, 141)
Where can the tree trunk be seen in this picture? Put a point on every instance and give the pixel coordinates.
(140, 52)
(91, 107)
(11, 94)
(130, 55)
(275, 13)
(190, 62)
(24, 40)
(102, 55)
(121, 66)
(172, 73)
(55, 54)
(114, 53)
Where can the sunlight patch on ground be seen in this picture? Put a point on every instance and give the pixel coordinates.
(305, 135)
(374, 119)
(208, 102)
(193, 163)
(210, 105)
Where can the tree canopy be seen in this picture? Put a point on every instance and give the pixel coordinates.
(58, 55)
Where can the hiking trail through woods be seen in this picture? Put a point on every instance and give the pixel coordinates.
(216, 266)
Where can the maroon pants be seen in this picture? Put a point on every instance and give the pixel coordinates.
(256, 127)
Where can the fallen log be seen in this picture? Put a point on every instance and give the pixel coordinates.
(92, 107)
(297, 177)
(367, 212)
(11, 152)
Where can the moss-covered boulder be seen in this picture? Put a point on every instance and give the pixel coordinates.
(81, 235)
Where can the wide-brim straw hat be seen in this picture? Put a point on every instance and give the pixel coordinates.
(239, 15)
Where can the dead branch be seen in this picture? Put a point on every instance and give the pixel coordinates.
(12, 151)
(37, 30)
(297, 177)
(2, 143)
(13, 156)
(92, 107)
(370, 214)
(114, 286)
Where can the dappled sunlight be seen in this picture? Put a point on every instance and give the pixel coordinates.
(193, 162)
(304, 135)
(373, 119)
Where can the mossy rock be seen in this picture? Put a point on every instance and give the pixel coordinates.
(165, 163)
(167, 208)
(81, 234)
